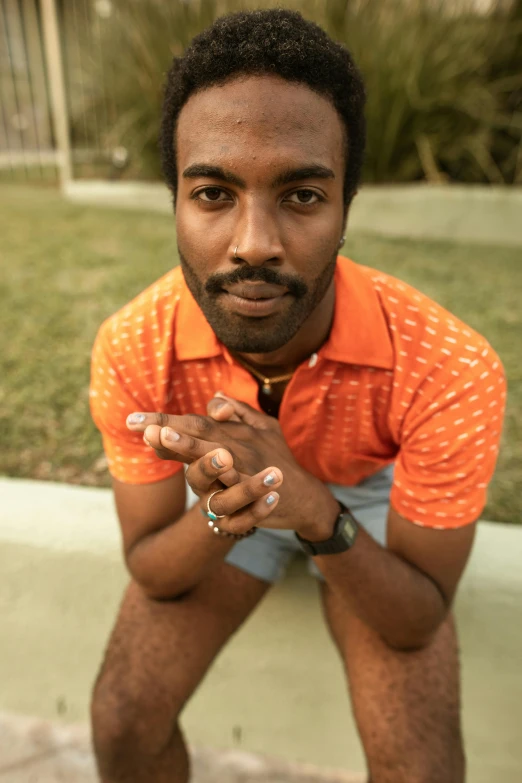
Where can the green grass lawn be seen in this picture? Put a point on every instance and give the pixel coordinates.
(64, 268)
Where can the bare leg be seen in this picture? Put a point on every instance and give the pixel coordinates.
(406, 704)
(158, 653)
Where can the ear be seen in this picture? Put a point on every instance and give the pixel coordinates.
(346, 213)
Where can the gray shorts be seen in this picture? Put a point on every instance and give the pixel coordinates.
(266, 554)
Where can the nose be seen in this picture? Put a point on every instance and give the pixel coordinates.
(257, 237)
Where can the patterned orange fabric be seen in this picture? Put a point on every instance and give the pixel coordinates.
(399, 380)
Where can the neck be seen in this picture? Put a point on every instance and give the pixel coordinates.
(310, 337)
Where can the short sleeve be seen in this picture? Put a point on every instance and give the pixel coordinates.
(449, 446)
(115, 392)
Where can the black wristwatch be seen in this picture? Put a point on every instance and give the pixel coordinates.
(344, 535)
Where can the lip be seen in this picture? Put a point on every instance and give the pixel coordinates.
(248, 290)
(253, 307)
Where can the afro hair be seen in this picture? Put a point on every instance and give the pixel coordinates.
(272, 41)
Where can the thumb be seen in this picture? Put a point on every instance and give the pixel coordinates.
(221, 410)
(243, 412)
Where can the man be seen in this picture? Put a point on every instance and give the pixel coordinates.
(319, 405)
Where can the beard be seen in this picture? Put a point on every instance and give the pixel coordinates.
(245, 334)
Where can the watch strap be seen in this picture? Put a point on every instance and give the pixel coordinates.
(343, 537)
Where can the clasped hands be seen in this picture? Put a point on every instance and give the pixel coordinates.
(243, 452)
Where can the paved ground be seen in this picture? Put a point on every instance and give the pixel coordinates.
(37, 751)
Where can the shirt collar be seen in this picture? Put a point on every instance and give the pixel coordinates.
(359, 333)
(194, 338)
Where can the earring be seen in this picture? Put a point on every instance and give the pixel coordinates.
(342, 241)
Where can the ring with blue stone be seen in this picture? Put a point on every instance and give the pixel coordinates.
(217, 530)
(210, 513)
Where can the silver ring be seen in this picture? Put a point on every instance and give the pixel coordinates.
(210, 513)
(235, 256)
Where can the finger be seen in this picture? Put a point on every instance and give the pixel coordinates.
(171, 445)
(247, 491)
(201, 427)
(252, 516)
(187, 447)
(138, 422)
(247, 414)
(151, 437)
(221, 410)
(204, 472)
(230, 477)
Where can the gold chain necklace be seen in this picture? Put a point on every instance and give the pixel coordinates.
(267, 382)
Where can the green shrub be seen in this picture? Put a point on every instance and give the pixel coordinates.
(505, 74)
(432, 108)
(440, 79)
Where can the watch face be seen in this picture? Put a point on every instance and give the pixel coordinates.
(349, 528)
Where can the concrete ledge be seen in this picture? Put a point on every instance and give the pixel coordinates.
(277, 689)
(58, 517)
(37, 750)
(457, 213)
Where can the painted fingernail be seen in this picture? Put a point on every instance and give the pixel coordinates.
(136, 418)
(169, 434)
(216, 463)
(270, 499)
(270, 479)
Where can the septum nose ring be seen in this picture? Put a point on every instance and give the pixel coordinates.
(235, 252)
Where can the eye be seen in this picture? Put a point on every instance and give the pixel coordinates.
(211, 195)
(304, 197)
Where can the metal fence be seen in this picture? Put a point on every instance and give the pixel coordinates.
(50, 119)
(80, 80)
(26, 135)
(70, 74)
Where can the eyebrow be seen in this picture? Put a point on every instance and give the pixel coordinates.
(214, 172)
(304, 172)
(314, 171)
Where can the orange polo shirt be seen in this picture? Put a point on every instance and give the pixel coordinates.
(399, 380)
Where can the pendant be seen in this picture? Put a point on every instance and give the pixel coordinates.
(267, 389)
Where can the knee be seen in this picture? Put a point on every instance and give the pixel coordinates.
(129, 723)
(409, 644)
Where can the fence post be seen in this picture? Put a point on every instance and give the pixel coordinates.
(53, 56)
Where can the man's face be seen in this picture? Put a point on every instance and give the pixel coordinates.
(261, 168)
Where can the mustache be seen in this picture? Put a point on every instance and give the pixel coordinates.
(295, 286)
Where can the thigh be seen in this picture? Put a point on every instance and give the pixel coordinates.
(159, 651)
(406, 704)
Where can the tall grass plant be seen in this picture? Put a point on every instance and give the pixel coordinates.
(442, 81)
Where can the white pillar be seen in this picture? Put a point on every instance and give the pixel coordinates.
(53, 58)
